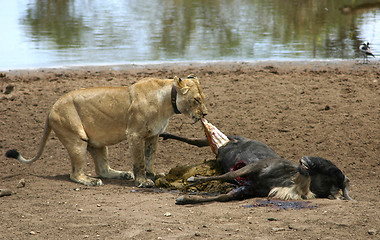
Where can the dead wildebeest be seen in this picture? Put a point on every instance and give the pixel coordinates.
(258, 171)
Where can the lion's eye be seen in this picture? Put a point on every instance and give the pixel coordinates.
(197, 100)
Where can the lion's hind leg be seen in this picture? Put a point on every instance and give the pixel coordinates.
(102, 168)
(77, 149)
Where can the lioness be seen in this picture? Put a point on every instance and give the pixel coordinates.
(93, 118)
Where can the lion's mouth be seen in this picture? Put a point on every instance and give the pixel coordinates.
(195, 119)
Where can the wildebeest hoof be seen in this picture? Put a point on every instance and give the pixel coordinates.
(180, 200)
(146, 184)
(190, 179)
(196, 180)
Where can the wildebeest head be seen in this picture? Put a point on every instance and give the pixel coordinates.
(326, 178)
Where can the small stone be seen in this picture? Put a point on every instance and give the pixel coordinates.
(272, 219)
(278, 229)
(372, 232)
(80, 209)
(167, 214)
(197, 234)
(9, 89)
(21, 183)
(32, 233)
(5, 192)
(292, 227)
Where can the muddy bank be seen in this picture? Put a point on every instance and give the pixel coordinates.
(327, 109)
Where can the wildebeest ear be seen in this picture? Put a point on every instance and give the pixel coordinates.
(180, 85)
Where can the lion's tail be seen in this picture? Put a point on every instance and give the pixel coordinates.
(13, 153)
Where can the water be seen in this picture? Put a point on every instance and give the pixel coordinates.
(49, 33)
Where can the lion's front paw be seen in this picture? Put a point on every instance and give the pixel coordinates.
(160, 175)
(96, 182)
(127, 175)
(145, 184)
(154, 177)
(85, 180)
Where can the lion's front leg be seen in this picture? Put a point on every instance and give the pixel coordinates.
(150, 155)
(137, 147)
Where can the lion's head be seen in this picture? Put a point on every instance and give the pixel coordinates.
(190, 98)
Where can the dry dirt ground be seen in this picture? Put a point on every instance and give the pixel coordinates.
(322, 109)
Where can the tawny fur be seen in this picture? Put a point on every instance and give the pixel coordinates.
(92, 119)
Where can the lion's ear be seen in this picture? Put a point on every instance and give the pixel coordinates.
(180, 85)
(192, 76)
(178, 82)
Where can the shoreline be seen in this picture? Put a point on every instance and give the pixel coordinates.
(127, 66)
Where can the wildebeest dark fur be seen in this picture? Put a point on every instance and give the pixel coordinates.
(258, 171)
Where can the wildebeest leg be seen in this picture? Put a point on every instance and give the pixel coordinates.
(334, 191)
(229, 176)
(191, 141)
(232, 195)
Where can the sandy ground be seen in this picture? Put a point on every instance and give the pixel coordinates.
(322, 109)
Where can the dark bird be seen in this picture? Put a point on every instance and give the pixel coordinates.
(366, 51)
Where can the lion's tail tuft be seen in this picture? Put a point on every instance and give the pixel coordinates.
(13, 153)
